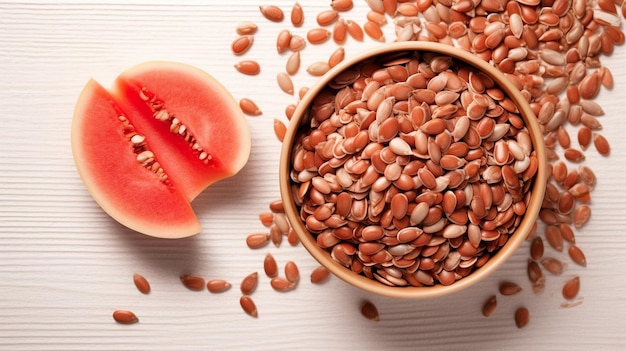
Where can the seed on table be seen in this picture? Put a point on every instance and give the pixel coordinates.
(192, 282)
(355, 30)
(291, 272)
(279, 129)
(281, 284)
(242, 44)
(327, 17)
(249, 107)
(553, 237)
(574, 155)
(584, 137)
(341, 5)
(336, 57)
(553, 265)
(272, 13)
(319, 275)
(293, 63)
(582, 213)
(266, 218)
(489, 306)
(318, 68)
(522, 317)
(283, 40)
(534, 272)
(509, 288)
(292, 237)
(297, 43)
(318, 35)
(601, 144)
(284, 82)
(249, 283)
(217, 285)
(374, 31)
(125, 317)
(571, 288)
(257, 240)
(248, 67)
(536, 248)
(270, 266)
(276, 206)
(340, 29)
(246, 28)
(248, 306)
(369, 311)
(297, 15)
(141, 283)
(577, 255)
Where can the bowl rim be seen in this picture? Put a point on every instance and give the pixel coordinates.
(411, 292)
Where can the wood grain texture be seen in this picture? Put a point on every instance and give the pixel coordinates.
(65, 266)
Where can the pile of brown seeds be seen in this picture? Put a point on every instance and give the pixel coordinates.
(413, 169)
(549, 49)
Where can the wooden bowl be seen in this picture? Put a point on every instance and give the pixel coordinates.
(301, 120)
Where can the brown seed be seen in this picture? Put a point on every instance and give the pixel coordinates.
(125, 317)
(340, 29)
(577, 255)
(248, 306)
(509, 288)
(297, 15)
(582, 213)
(297, 43)
(293, 63)
(279, 129)
(318, 35)
(535, 275)
(217, 285)
(291, 272)
(369, 311)
(281, 284)
(490, 306)
(536, 248)
(374, 31)
(272, 13)
(318, 68)
(249, 107)
(355, 30)
(257, 240)
(522, 316)
(553, 265)
(246, 28)
(242, 44)
(269, 265)
(571, 288)
(248, 67)
(192, 282)
(283, 40)
(336, 57)
(249, 283)
(554, 238)
(141, 283)
(319, 275)
(601, 144)
(574, 155)
(284, 82)
(584, 137)
(327, 17)
(341, 5)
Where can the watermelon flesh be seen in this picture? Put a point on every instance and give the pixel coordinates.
(189, 126)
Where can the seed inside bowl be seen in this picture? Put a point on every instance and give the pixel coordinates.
(421, 169)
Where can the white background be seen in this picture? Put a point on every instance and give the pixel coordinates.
(65, 266)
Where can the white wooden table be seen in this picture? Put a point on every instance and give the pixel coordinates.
(65, 265)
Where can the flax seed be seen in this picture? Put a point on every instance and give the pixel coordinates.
(369, 311)
(489, 307)
(257, 240)
(218, 285)
(279, 129)
(248, 306)
(297, 15)
(125, 317)
(141, 283)
(522, 316)
(281, 284)
(192, 282)
(249, 107)
(248, 67)
(272, 13)
(509, 288)
(249, 283)
(577, 255)
(319, 275)
(571, 288)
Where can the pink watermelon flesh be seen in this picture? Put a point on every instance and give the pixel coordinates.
(133, 194)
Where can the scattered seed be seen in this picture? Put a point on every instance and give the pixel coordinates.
(341, 5)
(242, 44)
(248, 306)
(489, 307)
(319, 275)
(582, 213)
(246, 28)
(293, 63)
(571, 287)
(574, 155)
(281, 284)
(336, 57)
(141, 283)
(248, 67)
(218, 285)
(601, 144)
(283, 40)
(284, 82)
(297, 43)
(536, 248)
(257, 240)
(369, 311)
(272, 13)
(374, 31)
(509, 288)
(522, 316)
(291, 272)
(270, 266)
(279, 129)
(577, 255)
(125, 317)
(249, 283)
(297, 15)
(318, 68)
(553, 265)
(249, 107)
(192, 282)
(355, 30)
(327, 17)
(318, 35)
(584, 137)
